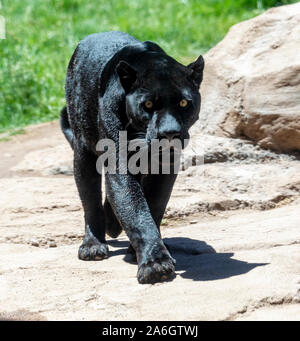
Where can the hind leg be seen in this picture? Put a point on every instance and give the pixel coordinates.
(88, 182)
(113, 227)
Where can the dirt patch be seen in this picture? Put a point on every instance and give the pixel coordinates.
(232, 224)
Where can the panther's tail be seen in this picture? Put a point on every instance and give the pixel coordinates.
(65, 126)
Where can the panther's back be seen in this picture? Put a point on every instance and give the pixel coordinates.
(91, 54)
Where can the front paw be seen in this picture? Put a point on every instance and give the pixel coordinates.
(93, 250)
(158, 267)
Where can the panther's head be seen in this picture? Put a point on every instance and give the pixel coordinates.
(162, 95)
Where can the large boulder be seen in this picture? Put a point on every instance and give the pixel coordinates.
(251, 84)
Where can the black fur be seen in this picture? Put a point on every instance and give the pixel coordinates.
(109, 78)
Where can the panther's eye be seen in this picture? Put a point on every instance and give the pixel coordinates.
(148, 104)
(183, 103)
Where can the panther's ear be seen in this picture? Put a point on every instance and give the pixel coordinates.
(127, 75)
(153, 47)
(196, 71)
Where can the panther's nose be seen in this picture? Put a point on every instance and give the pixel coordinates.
(168, 134)
(169, 127)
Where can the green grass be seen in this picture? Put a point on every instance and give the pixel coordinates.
(42, 34)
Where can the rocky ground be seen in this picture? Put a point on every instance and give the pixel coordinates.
(238, 214)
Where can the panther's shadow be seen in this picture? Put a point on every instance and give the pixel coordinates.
(197, 260)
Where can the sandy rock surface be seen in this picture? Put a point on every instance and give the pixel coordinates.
(232, 224)
(251, 84)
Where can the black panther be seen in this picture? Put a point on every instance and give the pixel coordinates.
(114, 83)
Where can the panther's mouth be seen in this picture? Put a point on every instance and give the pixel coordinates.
(137, 135)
